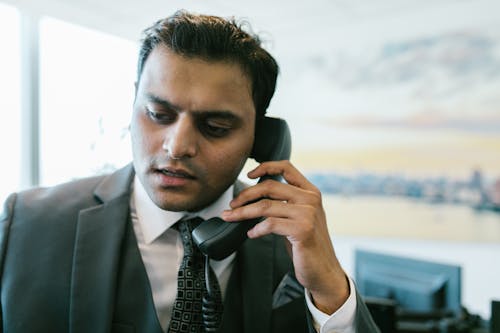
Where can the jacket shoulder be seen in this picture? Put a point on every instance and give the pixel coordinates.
(76, 193)
(51, 206)
(61, 204)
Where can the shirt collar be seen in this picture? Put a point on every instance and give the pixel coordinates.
(154, 221)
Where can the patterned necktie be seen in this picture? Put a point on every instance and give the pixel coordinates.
(194, 311)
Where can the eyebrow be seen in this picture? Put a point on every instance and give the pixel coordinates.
(161, 101)
(223, 114)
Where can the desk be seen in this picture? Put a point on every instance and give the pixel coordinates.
(480, 330)
(435, 327)
(391, 321)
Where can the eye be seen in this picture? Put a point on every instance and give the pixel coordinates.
(162, 117)
(216, 129)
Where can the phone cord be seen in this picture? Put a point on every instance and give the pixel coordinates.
(212, 305)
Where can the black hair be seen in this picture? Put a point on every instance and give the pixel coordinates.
(213, 38)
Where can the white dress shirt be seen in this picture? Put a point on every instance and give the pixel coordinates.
(162, 251)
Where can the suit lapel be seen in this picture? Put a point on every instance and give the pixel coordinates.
(255, 261)
(96, 257)
(256, 264)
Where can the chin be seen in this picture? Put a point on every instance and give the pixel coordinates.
(180, 203)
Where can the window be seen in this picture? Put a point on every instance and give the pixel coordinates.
(86, 88)
(10, 108)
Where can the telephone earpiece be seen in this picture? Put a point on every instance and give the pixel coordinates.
(217, 238)
(272, 141)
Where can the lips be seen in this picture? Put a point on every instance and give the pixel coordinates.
(176, 173)
(171, 177)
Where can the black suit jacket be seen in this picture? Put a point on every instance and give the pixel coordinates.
(59, 257)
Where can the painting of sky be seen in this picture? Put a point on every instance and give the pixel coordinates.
(415, 93)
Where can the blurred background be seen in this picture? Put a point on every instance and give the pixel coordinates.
(394, 107)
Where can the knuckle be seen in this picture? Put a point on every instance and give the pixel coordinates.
(268, 224)
(309, 228)
(310, 213)
(316, 190)
(285, 166)
(263, 227)
(308, 225)
(267, 183)
(267, 186)
(265, 205)
(316, 197)
(243, 195)
(308, 217)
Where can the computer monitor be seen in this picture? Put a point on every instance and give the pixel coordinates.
(417, 286)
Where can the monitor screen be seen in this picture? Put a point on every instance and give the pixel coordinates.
(415, 285)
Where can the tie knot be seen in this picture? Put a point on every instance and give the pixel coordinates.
(186, 226)
(192, 222)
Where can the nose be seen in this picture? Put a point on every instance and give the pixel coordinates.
(181, 139)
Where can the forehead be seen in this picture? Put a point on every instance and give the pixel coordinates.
(195, 83)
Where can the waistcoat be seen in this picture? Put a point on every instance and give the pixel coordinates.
(134, 307)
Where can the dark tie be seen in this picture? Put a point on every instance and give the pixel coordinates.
(194, 309)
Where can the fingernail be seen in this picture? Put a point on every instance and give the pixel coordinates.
(251, 171)
(250, 233)
(226, 213)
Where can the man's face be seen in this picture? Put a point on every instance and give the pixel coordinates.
(192, 128)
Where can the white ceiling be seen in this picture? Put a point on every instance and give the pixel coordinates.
(282, 20)
(295, 32)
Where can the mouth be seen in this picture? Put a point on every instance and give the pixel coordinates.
(177, 173)
(170, 177)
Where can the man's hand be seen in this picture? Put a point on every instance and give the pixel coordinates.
(295, 210)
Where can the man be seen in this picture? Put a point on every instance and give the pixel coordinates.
(102, 254)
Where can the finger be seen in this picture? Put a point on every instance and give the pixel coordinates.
(264, 207)
(268, 189)
(291, 175)
(283, 227)
(274, 190)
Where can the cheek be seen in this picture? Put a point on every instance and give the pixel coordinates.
(143, 140)
(136, 137)
(228, 162)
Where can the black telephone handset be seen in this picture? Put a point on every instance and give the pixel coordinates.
(217, 238)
